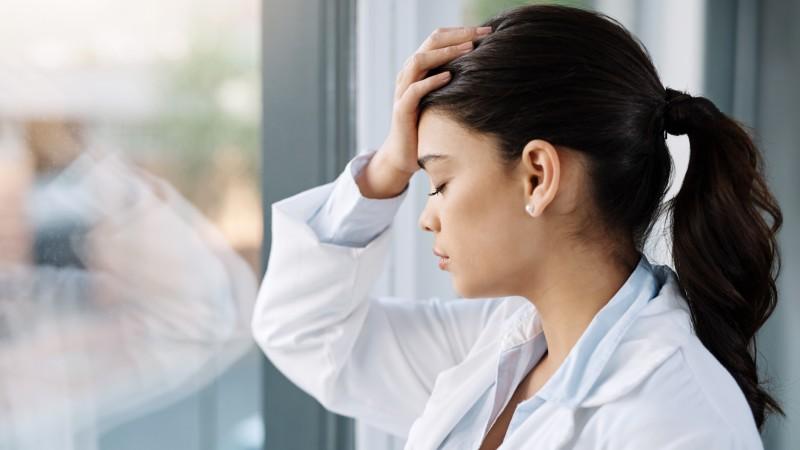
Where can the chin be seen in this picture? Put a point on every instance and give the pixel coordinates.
(479, 290)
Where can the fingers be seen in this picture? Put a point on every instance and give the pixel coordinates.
(445, 37)
(442, 46)
(419, 64)
(424, 61)
(406, 105)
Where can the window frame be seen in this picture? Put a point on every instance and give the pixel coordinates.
(308, 134)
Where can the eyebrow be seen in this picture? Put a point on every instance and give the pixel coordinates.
(431, 157)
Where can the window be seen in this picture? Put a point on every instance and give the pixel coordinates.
(132, 225)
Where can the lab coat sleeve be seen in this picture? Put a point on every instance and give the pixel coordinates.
(347, 217)
(372, 358)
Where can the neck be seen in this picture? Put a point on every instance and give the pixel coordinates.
(576, 288)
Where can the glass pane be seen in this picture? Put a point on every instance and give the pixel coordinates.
(131, 224)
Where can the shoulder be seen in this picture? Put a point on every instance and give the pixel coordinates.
(677, 404)
(662, 385)
(678, 407)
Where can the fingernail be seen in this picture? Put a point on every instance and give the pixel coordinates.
(484, 31)
(465, 46)
(445, 75)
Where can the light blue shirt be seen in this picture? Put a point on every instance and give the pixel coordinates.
(348, 218)
(573, 379)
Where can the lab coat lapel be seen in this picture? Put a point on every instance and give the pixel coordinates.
(553, 425)
(473, 377)
(446, 405)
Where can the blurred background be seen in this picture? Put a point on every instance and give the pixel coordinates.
(130, 224)
(139, 143)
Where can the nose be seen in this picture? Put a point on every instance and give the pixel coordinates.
(428, 220)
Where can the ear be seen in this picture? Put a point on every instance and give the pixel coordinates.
(541, 168)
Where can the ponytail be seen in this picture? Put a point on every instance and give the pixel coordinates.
(723, 248)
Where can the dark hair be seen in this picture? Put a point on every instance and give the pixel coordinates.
(578, 79)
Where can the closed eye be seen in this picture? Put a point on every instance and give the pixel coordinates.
(438, 190)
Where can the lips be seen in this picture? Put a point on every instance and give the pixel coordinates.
(444, 260)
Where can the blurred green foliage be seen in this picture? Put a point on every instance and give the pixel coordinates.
(478, 11)
(194, 125)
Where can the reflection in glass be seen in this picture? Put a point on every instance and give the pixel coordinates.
(130, 224)
(116, 296)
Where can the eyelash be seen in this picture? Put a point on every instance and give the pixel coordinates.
(438, 190)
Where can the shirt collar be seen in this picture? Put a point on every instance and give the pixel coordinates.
(575, 377)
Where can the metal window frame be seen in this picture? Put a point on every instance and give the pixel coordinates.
(308, 60)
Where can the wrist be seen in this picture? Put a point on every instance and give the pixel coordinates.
(379, 179)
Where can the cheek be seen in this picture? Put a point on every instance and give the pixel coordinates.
(486, 235)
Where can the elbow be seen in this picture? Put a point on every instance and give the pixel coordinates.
(263, 328)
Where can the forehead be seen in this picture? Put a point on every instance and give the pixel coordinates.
(443, 142)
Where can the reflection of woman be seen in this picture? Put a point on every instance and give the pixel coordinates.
(159, 305)
(548, 156)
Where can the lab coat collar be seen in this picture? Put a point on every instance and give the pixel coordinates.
(576, 381)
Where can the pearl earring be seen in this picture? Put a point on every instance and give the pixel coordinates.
(529, 209)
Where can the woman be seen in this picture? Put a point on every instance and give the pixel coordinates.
(544, 137)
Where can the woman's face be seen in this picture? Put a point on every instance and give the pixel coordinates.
(478, 220)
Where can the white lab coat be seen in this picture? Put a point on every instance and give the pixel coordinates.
(415, 367)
